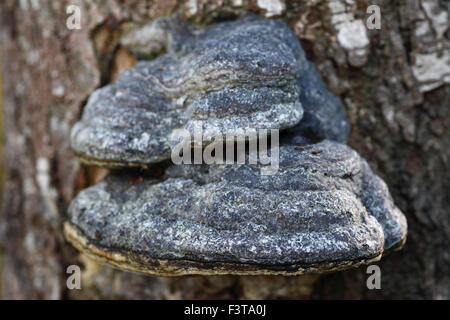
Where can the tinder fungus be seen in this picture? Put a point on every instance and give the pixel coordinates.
(322, 210)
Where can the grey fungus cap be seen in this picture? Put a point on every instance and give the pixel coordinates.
(224, 79)
(323, 211)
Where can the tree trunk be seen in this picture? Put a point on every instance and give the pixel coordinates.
(393, 87)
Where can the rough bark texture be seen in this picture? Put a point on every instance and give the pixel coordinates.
(397, 104)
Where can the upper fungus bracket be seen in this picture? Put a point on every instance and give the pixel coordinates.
(313, 216)
(230, 76)
(227, 77)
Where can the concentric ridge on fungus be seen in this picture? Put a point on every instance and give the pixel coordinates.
(324, 211)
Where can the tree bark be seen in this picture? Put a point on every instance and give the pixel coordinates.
(394, 90)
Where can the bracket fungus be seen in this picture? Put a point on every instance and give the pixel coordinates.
(324, 210)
